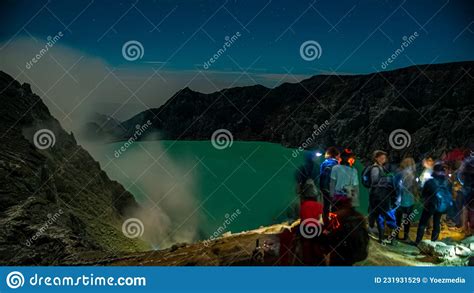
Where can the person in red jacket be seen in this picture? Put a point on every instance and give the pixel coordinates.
(311, 215)
(311, 209)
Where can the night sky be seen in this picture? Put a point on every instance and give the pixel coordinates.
(178, 37)
(355, 36)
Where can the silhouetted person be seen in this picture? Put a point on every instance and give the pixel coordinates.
(346, 237)
(306, 176)
(437, 199)
(381, 192)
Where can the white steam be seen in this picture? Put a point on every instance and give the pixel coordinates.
(168, 208)
(164, 189)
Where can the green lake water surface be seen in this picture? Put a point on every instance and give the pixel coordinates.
(255, 177)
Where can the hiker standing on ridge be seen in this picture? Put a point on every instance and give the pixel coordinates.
(332, 156)
(381, 191)
(437, 200)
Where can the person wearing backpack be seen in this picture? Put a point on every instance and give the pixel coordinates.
(381, 192)
(437, 199)
(344, 185)
(332, 156)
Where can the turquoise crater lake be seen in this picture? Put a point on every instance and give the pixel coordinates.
(257, 178)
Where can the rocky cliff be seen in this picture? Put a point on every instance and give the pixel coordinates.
(55, 201)
(432, 104)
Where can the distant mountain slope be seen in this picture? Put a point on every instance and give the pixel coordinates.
(55, 202)
(433, 103)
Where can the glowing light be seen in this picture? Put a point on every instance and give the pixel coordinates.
(334, 220)
(351, 161)
(319, 154)
(426, 175)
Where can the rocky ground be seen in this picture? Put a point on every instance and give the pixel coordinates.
(237, 249)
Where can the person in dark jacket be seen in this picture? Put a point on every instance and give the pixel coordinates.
(381, 192)
(428, 194)
(332, 156)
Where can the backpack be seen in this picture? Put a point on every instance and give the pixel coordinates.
(366, 178)
(443, 199)
(386, 188)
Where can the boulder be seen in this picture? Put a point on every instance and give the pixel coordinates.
(437, 249)
(461, 250)
(468, 242)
